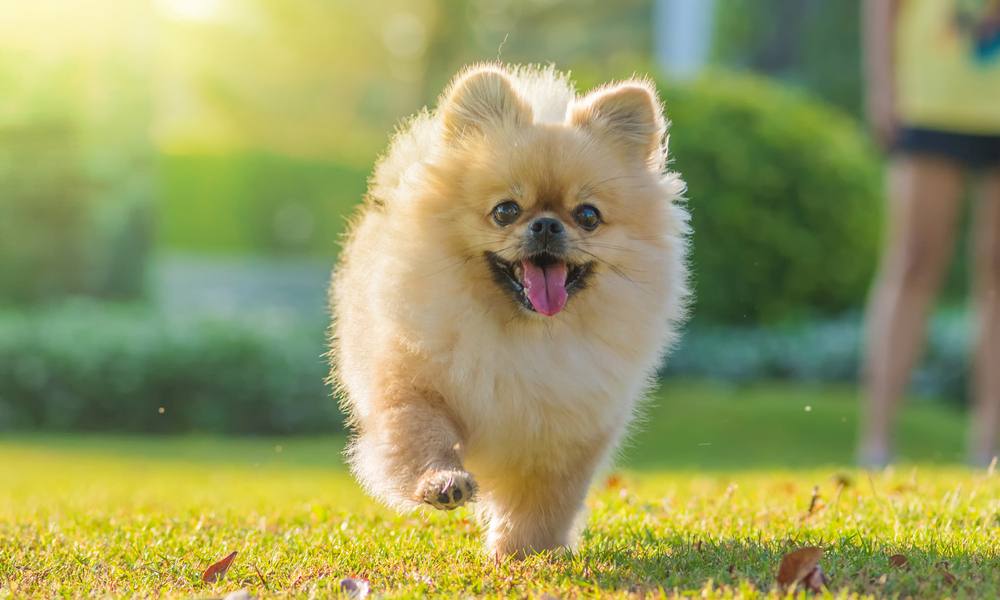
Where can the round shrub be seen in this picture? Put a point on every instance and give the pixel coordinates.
(89, 366)
(785, 200)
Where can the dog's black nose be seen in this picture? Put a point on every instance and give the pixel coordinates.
(545, 235)
(546, 228)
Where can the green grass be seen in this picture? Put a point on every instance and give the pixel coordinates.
(717, 489)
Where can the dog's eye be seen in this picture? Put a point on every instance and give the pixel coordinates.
(506, 212)
(587, 216)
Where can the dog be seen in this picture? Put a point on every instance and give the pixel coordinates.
(504, 296)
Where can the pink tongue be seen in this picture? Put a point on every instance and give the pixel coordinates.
(546, 286)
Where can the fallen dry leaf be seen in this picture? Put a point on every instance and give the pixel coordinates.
(802, 566)
(898, 560)
(218, 570)
(815, 581)
(355, 588)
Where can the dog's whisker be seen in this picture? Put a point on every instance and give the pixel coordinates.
(619, 271)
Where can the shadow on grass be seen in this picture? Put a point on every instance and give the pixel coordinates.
(849, 563)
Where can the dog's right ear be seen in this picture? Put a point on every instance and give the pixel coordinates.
(479, 99)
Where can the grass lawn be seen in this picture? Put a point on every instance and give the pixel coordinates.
(712, 494)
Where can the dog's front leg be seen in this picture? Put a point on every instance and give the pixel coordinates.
(409, 449)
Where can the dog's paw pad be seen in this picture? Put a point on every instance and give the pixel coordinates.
(445, 490)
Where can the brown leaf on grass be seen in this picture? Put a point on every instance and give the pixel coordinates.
(802, 566)
(898, 560)
(815, 581)
(355, 587)
(218, 570)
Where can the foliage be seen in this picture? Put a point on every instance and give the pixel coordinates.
(827, 351)
(784, 196)
(76, 180)
(256, 202)
(93, 516)
(62, 231)
(89, 367)
(815, 45)
(93, 367)
(43, 233)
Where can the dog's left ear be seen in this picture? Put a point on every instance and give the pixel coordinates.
(629, 116)
(481, 98)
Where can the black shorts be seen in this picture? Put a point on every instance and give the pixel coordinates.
(974, 151)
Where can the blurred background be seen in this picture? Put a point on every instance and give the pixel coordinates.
(174, 176)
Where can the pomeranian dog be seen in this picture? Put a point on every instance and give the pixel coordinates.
(504, 296)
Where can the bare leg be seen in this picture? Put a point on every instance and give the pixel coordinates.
(408, 450)
(924, 196)
(986, 261)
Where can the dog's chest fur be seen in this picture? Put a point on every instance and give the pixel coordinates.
(531, 400)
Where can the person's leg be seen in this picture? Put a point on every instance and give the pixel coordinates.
(924, 195)
(986, 379)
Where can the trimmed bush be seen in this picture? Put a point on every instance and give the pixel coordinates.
(256, 202)
(822, 351)
(785, 200)
(85, 366)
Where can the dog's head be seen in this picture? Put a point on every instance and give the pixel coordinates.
(548, 208)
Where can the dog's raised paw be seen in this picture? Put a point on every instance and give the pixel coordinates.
(446, 490)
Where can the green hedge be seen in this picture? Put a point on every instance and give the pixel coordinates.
(256, 202)
(85, 366)
(826, 351)
(785, 200)
(66, 227)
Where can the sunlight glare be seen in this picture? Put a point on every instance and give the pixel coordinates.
(190, 10)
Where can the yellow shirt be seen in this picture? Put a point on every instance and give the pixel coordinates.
(948, 65)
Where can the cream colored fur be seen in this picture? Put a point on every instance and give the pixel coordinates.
(448, 382)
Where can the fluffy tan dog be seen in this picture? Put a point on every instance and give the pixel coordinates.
(508, 288)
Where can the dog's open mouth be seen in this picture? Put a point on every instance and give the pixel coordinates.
(541, 283)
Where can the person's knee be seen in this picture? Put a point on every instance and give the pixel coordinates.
(918, 268)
